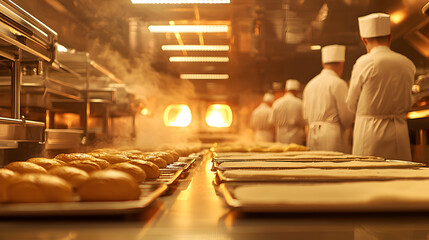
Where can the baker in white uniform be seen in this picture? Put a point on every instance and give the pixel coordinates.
(324, 103)
(380, 93)
(259, 121)
(287, 115)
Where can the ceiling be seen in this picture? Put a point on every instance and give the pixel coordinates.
(270, 40)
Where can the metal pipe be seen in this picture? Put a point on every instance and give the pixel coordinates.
(16, 88)
(21, 122)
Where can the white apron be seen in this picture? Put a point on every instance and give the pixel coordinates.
(325, 136)
(290, 135)
(384, 136)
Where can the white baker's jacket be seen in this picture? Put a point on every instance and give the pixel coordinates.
(326, 112)
(380, 94)
(287, 117)
(259, 122)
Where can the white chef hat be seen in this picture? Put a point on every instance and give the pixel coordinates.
(333, 53)
(268, 97)
(277, 86)
(374, 25)
(292, 84)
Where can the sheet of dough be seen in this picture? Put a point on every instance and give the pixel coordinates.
(396, 194)
(290, 153)
(334, 174)
(306, 157)
(350, 164)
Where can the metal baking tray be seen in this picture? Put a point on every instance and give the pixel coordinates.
(221, 178)
(167, 176)
(404, 164)
(386, 205)
(149, 193)
(184, 163)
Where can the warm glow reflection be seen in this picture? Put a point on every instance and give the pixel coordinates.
(219, 115)
(180, 1)
(397, 17)
(145, 112)
(315, 47)
(195, 47)
(177, 115)
(188, 28)
(418, 114)
(199, 59)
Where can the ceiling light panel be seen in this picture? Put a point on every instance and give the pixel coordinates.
(180, 1)
(199, 59)
(204, 76)
(188, 28)
(195, 47)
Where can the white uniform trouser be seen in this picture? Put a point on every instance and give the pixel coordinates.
(264, 136)
(382, 136)
(325, 136)
(290, 135)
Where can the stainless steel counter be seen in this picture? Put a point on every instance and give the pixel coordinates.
(194, 211)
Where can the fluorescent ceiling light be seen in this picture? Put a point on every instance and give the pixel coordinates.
(180, 1)
(204, 76)
(195, 47)
(199, 59)
(188, 28)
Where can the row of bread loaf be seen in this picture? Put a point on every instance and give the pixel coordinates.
(94, 176)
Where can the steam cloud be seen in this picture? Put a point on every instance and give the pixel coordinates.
(157, 90)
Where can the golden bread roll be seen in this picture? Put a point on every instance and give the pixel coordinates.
(25, 167)
(161, 163)
(37, 188)
(164, 155)
(112, 158)
(136, 172)
(101, 162)
(109, 185)
(106, 150)
(46, 163)
(68, 157)
(151, 169)
(174, 154)
(133, 151)
(85, 165)
(6, 178)
(74, 176)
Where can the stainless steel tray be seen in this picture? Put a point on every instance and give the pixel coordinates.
(150, 192)
(403, 164)
(168, 177)
(385, 205)
(184, 163)
(220, 177)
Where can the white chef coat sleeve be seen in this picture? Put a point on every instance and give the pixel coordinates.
(272, 116)
(300, 117)
(362, 70)
(304, 115)
(340, 92)
(253, 121)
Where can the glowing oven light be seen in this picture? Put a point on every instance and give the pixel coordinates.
(177, 115)
(219, 115)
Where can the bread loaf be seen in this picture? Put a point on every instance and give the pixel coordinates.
(38, 188)
(109, 185)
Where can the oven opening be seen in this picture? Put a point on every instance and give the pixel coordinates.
(177, 115)
(219, 115)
